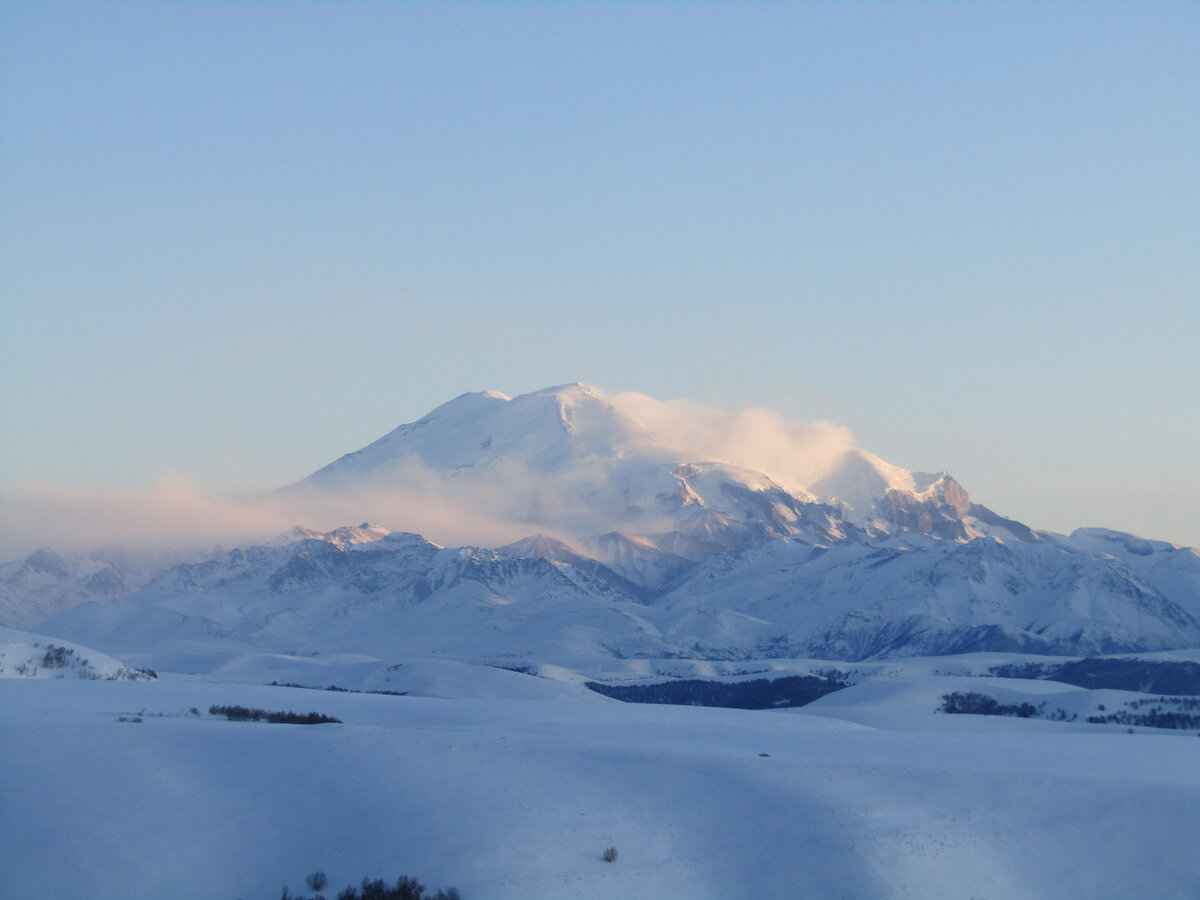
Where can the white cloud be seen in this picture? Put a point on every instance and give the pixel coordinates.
(502, 503)
(795, 454)
(171, 513)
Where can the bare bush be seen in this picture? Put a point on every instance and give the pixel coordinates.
(316, 881)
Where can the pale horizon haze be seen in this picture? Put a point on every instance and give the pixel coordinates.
(238, 241)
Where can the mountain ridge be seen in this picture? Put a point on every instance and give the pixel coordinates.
(652, 530)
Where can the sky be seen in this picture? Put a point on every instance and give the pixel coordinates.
(240, 240)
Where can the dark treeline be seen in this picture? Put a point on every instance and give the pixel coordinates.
(1181, 721)
(761, 693)
(1150, 677)
(982, 705)
(405, 888)
(334, 688)
(1179, 677)
(245, 714)
(1158, 715)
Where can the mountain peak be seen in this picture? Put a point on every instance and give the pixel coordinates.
(571, 389)
(573, 462)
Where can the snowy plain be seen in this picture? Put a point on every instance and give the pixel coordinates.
(867, 793)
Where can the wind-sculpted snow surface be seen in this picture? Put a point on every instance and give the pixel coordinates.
(634, 528)
(131, 790)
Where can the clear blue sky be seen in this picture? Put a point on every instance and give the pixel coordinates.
(239, 240)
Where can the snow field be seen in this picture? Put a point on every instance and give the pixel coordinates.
(506, 798)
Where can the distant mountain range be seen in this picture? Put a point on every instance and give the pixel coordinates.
(653, 530)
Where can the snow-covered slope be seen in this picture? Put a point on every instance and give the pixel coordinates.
(1173, 571)
(539, 601)
(395, 596)
(46, 582)
(867, 795)
(917, 595)
(25, 655)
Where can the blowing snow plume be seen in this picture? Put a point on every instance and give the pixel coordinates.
(486, 469)
(574, 463)
(793, 454)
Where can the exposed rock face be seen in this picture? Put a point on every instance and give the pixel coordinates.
(938, 511)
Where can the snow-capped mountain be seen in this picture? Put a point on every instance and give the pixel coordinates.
(47, 582)
(651, 487)
(653, 530)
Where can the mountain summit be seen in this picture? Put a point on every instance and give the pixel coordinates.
(619, 474)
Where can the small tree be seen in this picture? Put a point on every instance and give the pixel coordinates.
(610, 854)
(316, 881)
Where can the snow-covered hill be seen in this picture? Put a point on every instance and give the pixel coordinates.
(25, 655)
(135, 791)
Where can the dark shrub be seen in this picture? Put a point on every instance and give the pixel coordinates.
(983, 705)
(406, 888)
(56, 657)
(245, 714)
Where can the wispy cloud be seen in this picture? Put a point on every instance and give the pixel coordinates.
(795, 454)
(488, 506)
(171, 513)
